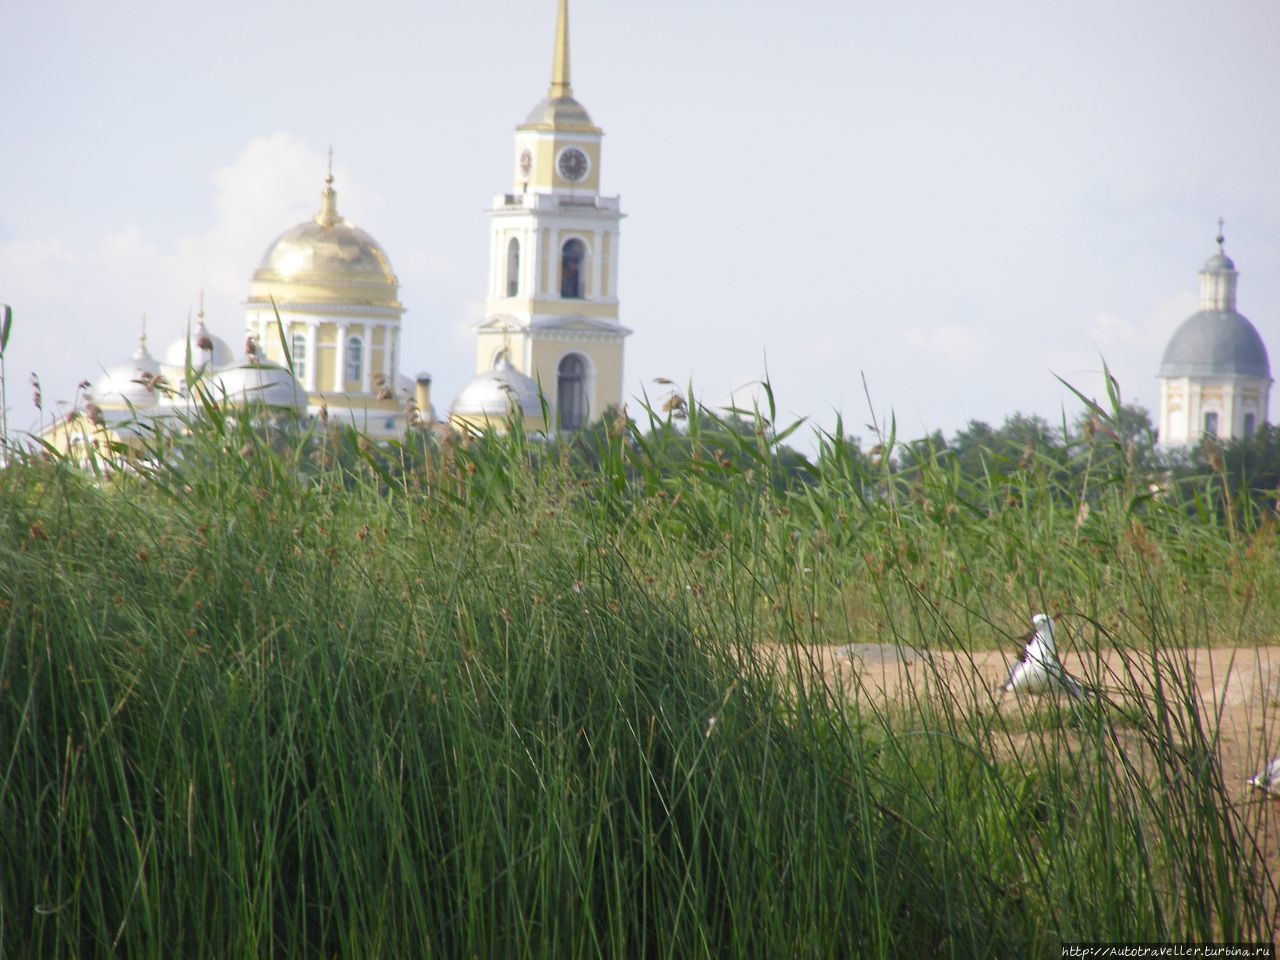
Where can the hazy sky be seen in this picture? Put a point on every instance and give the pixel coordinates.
(955, 199)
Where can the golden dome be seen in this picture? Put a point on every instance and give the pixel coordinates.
(326, 259)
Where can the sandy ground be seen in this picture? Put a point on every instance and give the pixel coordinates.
(1238, 691)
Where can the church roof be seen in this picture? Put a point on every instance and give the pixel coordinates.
(1216, 340)
(1218, 263)
(558, 110)
(493, 393)
(129, 384)
(326, 257)
(1215, 343)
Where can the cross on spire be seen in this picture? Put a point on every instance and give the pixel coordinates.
(329, 177)
(1220, 237)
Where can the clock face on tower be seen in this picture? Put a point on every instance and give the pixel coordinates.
(526, 163)
(573, 164)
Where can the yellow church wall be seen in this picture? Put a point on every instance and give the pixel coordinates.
(562, 308)
(324, 368)
(487, 347)
(303, 296)
(604, 361)
(546, 176)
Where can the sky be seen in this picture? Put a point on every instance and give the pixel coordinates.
(929, 210)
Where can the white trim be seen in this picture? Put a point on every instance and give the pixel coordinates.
(340, 360)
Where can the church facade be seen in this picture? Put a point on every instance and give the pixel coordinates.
(551, 327)
(323, 315)
(1215, 376)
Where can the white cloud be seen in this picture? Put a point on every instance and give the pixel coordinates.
(78, 304)
(1107, 330)
(955, 341)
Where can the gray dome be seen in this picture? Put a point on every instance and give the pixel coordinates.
(1215, 343)
(1218, 263)
(492, 394)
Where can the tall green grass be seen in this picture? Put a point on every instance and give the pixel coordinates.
(280, 694)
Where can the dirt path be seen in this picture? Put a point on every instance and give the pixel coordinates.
(1239, 689)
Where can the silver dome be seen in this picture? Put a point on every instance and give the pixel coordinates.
(261, 382)
(129, 384)
(492, 394)
(1215, 343)
(175, 358)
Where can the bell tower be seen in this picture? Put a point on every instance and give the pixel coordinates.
(552, 303)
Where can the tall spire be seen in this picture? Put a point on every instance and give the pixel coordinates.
(328, 214)
(560, 86)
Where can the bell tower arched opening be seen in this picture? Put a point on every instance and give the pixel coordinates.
(573, 257)
(571, 392)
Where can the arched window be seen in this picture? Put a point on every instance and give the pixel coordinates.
(355, 359)
(298, 348)
(572, 256)
(1250, 425)
(513, 267)
(1210, 424)
(571, 392)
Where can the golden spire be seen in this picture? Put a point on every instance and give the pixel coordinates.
(142, 340)
(560, 86)
(200, 312)
(328, 214)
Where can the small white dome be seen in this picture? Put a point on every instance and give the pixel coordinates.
(492, 394)
(259, 383)
(208, 352)
(129, 384)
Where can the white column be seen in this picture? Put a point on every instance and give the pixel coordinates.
(595, 265)
(366, 359)
(312, 360)
(340, 360)
(529, 265)
(615, 241)
(553, 253)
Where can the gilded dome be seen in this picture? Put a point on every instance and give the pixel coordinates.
(561, 113)
(326, 258)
